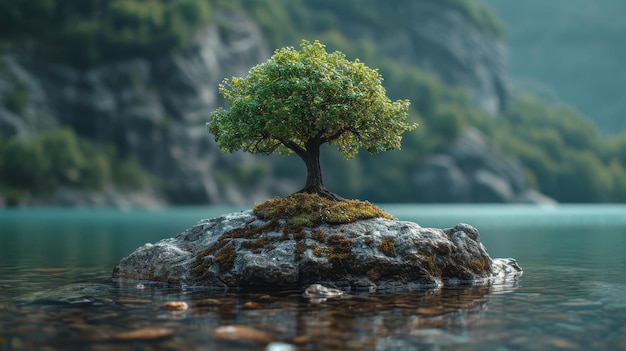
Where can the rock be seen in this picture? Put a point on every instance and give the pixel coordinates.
(468, 171)
(149, 333)
(320, 291)
(241, 334)
(507, 268)
(251, 305)
(241, 251)
(439, 179)
(175, 306)
(280, 346)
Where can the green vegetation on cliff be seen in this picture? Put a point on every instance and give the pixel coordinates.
(36, 166)
(91, 31)
(565, 156)
(325, 17)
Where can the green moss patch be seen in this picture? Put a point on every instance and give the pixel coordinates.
(226, 258)
(310, 210)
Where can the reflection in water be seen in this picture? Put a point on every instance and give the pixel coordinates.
(400, 319)
(38, 310)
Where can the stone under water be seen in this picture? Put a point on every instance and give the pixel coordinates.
(240, 251)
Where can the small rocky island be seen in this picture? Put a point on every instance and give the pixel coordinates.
(294, 103)
(304, 239)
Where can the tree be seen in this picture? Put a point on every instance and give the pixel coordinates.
(298, 100)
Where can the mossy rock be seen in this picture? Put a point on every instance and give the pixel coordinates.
(311, 210)
(240, 251)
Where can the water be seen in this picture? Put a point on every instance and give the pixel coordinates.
(56, 292)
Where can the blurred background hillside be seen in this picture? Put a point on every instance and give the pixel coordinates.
(569, 52)
(104, 102)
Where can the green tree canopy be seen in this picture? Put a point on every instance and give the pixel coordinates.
(298, 100)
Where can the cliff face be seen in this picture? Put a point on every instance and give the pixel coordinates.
(152, 109)
(459, 52)
(441, 39)
(467, 171)
(155, 109)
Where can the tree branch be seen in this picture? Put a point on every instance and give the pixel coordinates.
(335, 136)
(319, 135)
(290, 144)
(261, 139)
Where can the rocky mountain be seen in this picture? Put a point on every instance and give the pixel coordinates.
(467, 171)
(154, 109)
(442, 39)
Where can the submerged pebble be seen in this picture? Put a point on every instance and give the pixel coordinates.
(251, 305)
(431, 312)
(149, 333)
(240, 333)
(316, 291)
(175, 306)
(280, 346)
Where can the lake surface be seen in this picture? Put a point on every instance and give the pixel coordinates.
(56, 292)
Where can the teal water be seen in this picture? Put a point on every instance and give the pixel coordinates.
(56, 292)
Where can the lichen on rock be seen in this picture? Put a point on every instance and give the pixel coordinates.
(360, 249)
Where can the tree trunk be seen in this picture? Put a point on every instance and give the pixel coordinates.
(314, 183)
